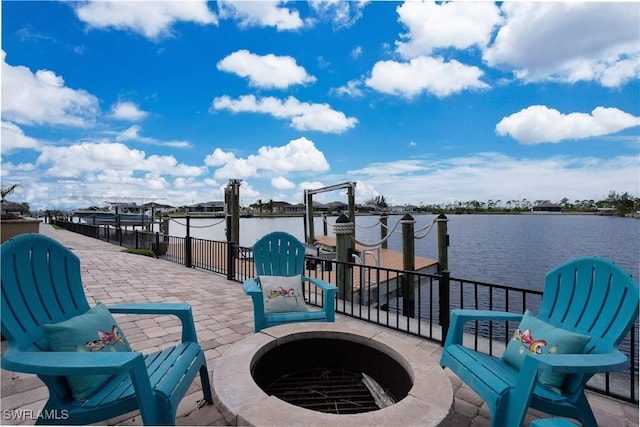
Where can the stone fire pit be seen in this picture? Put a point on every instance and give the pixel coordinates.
(318, 367)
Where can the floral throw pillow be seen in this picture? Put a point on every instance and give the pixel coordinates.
(96, 330)
(534, 336)
(282, 294)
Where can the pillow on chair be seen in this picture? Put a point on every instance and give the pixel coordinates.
(282, 294)
(95, 330)
(535, 336)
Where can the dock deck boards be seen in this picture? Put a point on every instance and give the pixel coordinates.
(388, 258)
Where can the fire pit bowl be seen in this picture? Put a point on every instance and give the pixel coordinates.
(312, 374)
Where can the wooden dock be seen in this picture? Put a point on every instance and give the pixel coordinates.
(371, 286)
(388, 258)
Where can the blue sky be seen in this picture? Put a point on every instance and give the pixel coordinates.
(420, 102)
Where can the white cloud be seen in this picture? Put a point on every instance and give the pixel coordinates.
(247, 193)
(398, 167)
(424, 74)
(302, 115)
(42, 98)
(497, 176)
(265, 13)
(311, 185)
(219, 158)
(458, 25)
(106, 159)
(13, 139)
(125, 110)
(342, 14)
(268, 71)
(282, 183)
(538, 124)
(569, 42)
(352, 88)
(133, 134)
(151, 19)
(299, 155)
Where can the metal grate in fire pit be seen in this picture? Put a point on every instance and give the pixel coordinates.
(324, 390)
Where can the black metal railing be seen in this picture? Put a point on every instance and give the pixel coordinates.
(379, 295)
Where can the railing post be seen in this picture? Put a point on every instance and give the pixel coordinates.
(408, 264)
(383, 230)
(231, 258)
(343, 228)
(157, 244)
(136, 238)
(187, 244)
(444, 304)
(165, 228)
(443, 243)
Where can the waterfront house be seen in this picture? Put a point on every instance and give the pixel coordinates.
(547, 207)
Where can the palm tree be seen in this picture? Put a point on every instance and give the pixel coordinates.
(5, 191)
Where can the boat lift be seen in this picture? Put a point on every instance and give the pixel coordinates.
(309, 234)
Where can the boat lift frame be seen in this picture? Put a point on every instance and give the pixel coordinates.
(309, 234)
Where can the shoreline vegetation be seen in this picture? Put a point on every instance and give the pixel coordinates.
(622, 205)
(615, 204)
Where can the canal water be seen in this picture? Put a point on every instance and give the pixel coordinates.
(512, 250)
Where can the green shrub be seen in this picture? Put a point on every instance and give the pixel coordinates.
(145, 252)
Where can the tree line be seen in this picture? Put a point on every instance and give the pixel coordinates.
(621, 204)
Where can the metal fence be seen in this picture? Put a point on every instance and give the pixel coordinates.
(379, 295)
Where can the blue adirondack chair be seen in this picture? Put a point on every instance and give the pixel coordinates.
(591, 296)
(41, 284)
(281, 254)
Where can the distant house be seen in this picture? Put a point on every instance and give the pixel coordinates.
(547, 207)
(207, 207)
(607, 211)
(286, 208)
(158, 207)
(366, 208)
(337, 206)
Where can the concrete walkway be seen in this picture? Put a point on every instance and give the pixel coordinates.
(223, 316)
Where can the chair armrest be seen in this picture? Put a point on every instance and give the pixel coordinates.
(250, 287)
(69, 363)
(459, 317)
(582, 363)
(325, 286)
(330, 291)
(181, 310)
(150, 308)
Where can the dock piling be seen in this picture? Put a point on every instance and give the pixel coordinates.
(345, 245)
(187, 243)
(443, 243)
(383, 230)
(408, 264)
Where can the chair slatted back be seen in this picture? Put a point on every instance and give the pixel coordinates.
(278, 254)
(41, 283)
(591, 296)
